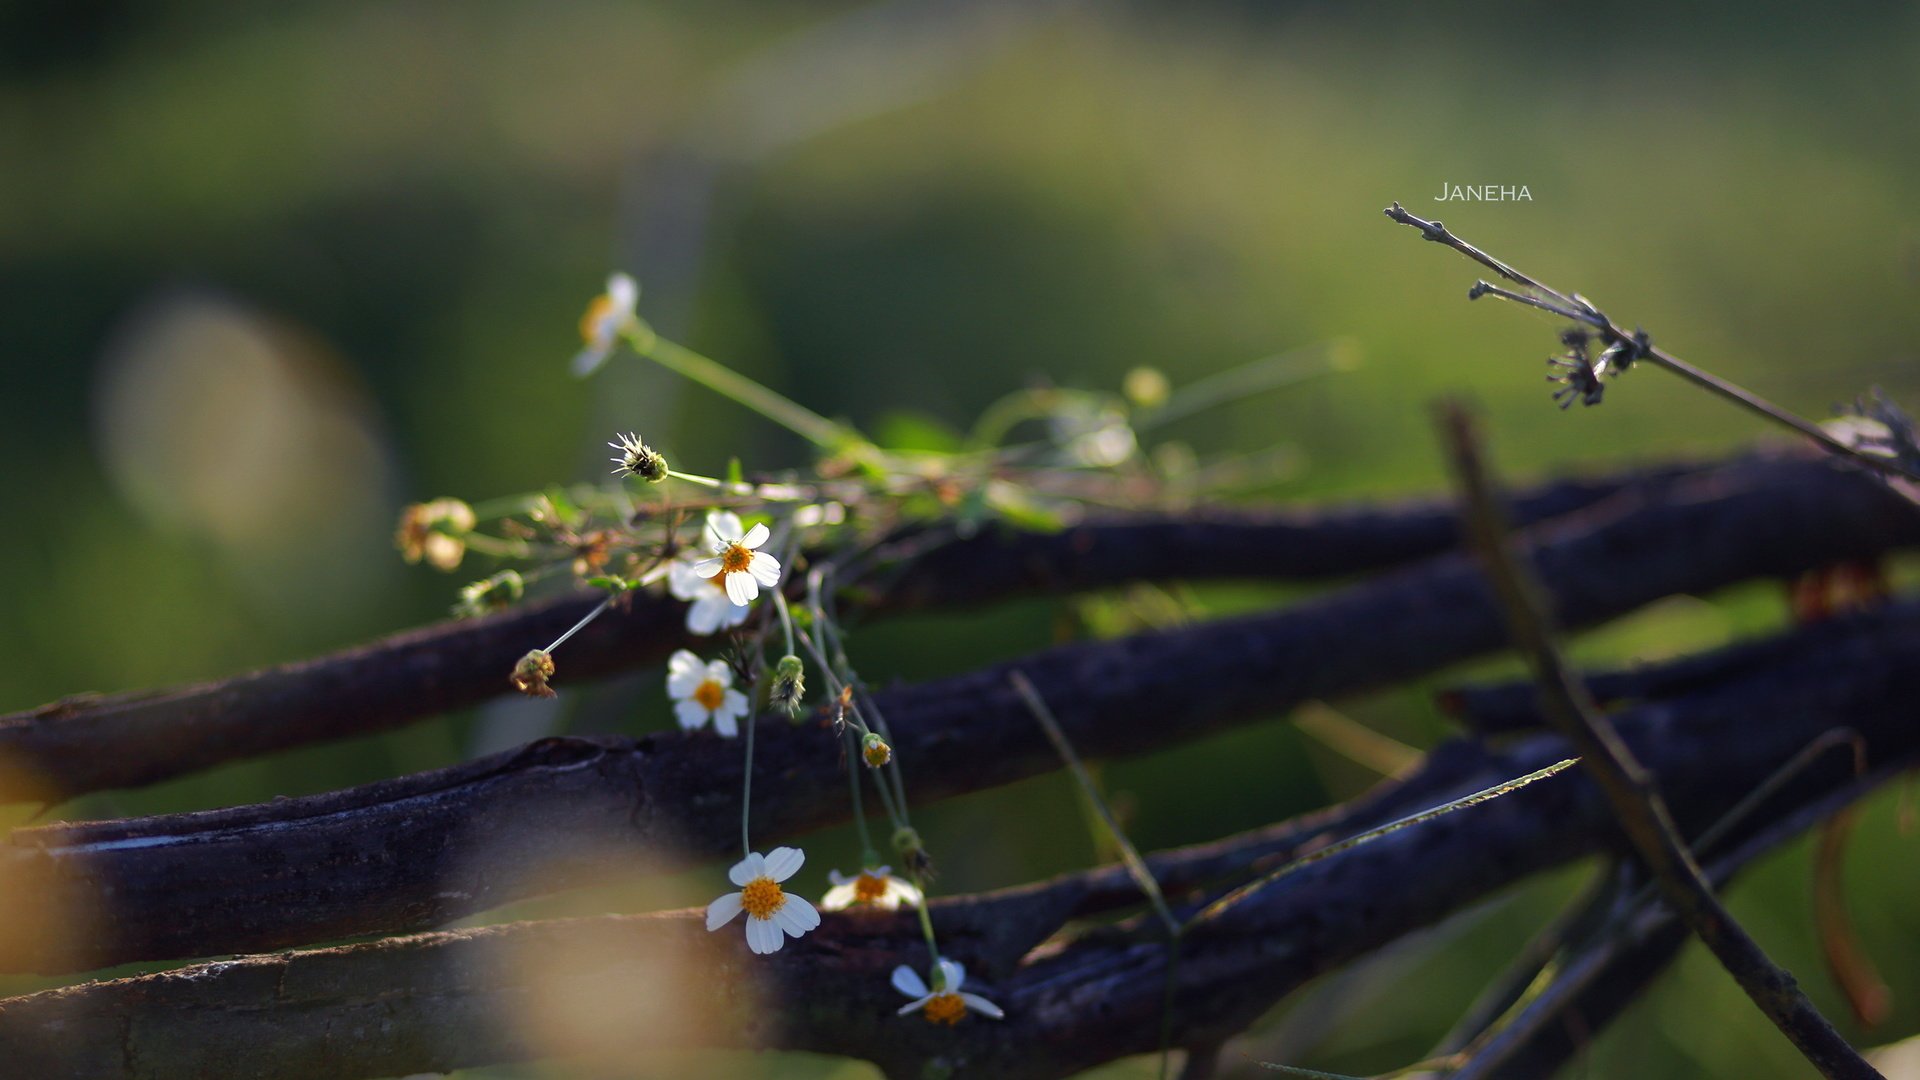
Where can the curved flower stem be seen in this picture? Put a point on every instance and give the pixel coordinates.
(577, 627)
(730, 384)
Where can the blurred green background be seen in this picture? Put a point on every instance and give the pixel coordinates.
(268, 272)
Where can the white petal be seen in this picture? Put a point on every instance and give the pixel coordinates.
(623, 291)
(730, 615)
(901, 892)
(704, 618)
(881, 871)
(723, 527)
(725, 726)
(913, 1005)
(838, 879)
(719, 672)
(764, 936)
(681, 666)
(804, 913)
(764, 568)
(753, 866)
(955, 975)
(796, 916)
(983, 1006)
(755, 536)
(691, 714)
(588, 360)
(722, 911)
(683, 583)
(907, 981)
(838, 898)
(741, 589)
(706, 568)
(784, 862)
(733, 703)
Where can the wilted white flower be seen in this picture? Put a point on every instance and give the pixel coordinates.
(742, 569)
(606, 316)
(711, 610)
(704, 691)
(435, 531)
(944, 1003)
(874, 887)
(773, 914)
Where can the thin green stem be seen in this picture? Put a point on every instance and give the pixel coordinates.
(868, 854)
(1351, 842)
(786, 618)
(577, 627)
(1267, 373)
(728, 383)
(1136, 866)
(746, 788)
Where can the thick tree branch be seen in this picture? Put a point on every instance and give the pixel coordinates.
(94, 742)
(442, 1000)
(419, 851)
(1631, 791)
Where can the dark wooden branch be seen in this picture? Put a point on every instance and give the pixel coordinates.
(419, 851)
(1600, 977)
(1504, 708)
(443, 1000)
(94, 742)
(1631, 791)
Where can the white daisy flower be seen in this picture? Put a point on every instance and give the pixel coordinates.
(740, 568)
(944, 1004)
(606, 317)
(873, 887)
(773, 914)
(711, 610)
(704, 691)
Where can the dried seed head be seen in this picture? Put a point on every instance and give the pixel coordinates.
(638, 459)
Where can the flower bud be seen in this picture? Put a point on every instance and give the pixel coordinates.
(875, 750)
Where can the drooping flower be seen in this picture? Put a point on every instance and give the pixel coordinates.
(874, 887)
(875, 750)
(943, 1003)
(773, 914)
(703, 692)
(711, 610)
(743, 570)
(606, 317)
(435, 531)
(789, 685)
(638, 459)
(530, 675)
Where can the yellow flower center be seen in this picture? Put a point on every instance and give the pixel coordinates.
(761, 897)
(868, 888)
(710, 694)
(719, 581)
(944, 1008)
(597, 311)
(735, 559)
